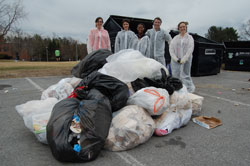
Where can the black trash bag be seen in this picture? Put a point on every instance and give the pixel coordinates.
(169, 83)
(139, 84)
(146, 82)
(175, 82)
(95, 117)
(92, 62)
(114, 89)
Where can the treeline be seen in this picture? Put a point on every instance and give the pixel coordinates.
(39, 48)
(221, 34)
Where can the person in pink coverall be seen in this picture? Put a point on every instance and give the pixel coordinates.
(98, 37)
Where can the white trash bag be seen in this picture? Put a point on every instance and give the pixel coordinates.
(128, 65)
(177, 115)
(61, 90)
(36, 114)
(170, 120)
(154, 100)
(196, 104)
(181, 99)
(36, 106)
(130, 127)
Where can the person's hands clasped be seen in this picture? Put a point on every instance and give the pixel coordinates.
(180, 61)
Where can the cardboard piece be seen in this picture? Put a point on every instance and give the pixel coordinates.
(207, 122)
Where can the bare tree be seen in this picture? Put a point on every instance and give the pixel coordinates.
(245, 31)
(10, 13)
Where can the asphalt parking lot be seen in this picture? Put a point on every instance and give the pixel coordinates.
(226, 96)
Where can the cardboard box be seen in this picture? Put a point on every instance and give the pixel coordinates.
(207, 122)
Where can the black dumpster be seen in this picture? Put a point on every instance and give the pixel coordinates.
(114, 24)
(237, 55)
(207, 55)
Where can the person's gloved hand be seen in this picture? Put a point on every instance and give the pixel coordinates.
(182, 61)
(179, 60)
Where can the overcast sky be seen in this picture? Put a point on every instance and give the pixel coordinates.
(74, 18)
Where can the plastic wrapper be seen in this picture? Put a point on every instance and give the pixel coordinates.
(74, 81)
(128, 65)
(39, 123)
(61, 90)
(130, 127)
(154, 100)
(130, 89)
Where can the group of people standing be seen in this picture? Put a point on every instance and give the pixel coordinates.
(151, 44)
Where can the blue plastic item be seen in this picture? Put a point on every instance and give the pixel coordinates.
(77, 148)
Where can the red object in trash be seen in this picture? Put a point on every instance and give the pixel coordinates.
(73, 94)
(161, 132)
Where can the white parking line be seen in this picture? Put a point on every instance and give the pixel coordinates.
(223, 99)
(123, 155)
(34, 84)
(129, 159)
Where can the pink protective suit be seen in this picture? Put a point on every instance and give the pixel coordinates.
(98, 39)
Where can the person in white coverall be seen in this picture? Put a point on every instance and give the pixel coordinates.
(125, 38)
(181, 49)
(157, 38)
(142, 42)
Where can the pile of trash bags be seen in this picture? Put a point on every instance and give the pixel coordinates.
(114, 101)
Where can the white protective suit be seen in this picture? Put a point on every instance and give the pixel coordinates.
(142, 45)
(157, 44)
(124, 40)
(182, 48)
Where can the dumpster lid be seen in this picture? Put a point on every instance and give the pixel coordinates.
(196, 37)
(117, 23)
(237, 45)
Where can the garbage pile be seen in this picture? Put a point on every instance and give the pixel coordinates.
(114, 101)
